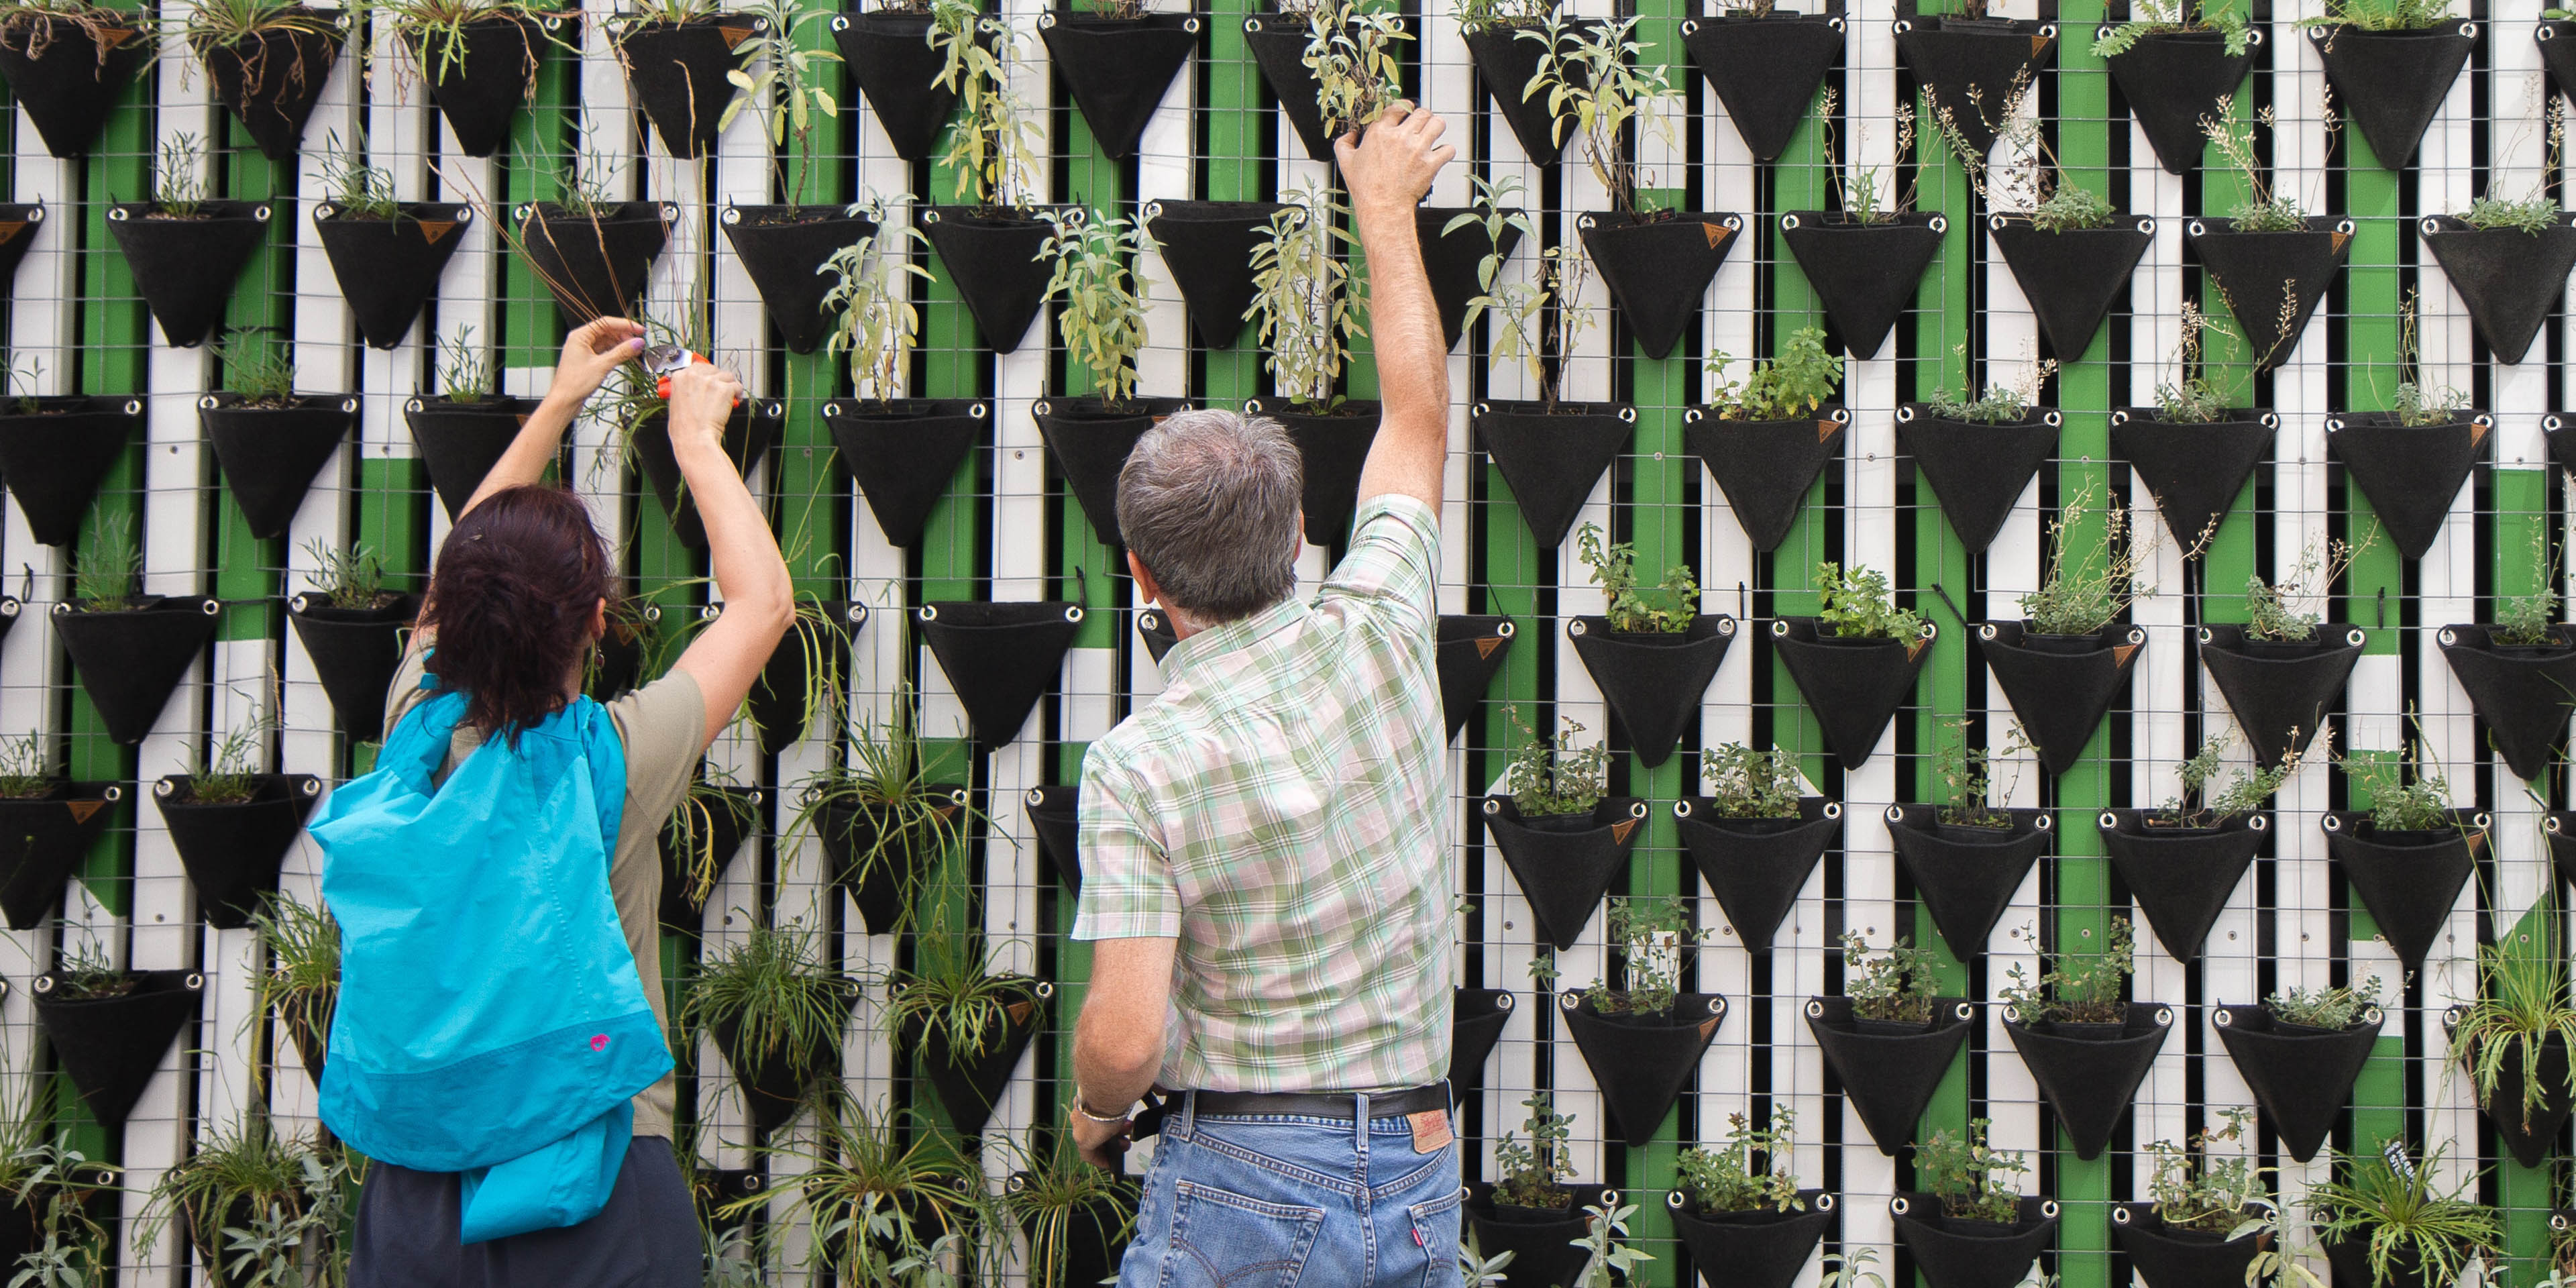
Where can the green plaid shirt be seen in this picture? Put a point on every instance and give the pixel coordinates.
(1277, 810)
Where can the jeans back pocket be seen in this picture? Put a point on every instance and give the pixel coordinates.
(1221, 1239)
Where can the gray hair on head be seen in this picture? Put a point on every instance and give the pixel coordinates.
(1208, 502)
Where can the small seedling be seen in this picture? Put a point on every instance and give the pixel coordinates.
(2196, 1190)
(351, 577)
(179, 191)
(103, 580)
(257, 369)
(1668, 608)
(363, 191)
(2076, 989)
(2328, 1007)
(1553, 778)
(85, 973)
(24, 767)
(464, 368)
(1972, 1181)
(1896, 986)
(1533, 1173)
(1744, 783)
(1859, 605)
(1798, 382)
(1651, 932)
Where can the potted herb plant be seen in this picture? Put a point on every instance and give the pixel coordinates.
(2300, 1052)
(1968, 1227)
(1534, 1211)
(387, 254)
(1307, 308)
(705, 830)
(2086, 1046)
(1458, 241)
(461, 430)
(2392, 1223)
(1643, 1043)
(1653, 653)
(268, 60)
(892, 57)
(1766, 438)
(776, 1011)
(2187, 1234)
(479, 58)
(1978, 451)
(784, 246)
(1330, 63)
(989, 240)
(1562, 839)
(2409, 853)
(1890, 1036)
(892, 1199)
(1102, 323)
(55, 1204)
(1765, 63)
(590, 249)
(1856, 659)
(883, 823)
(2284, 666)
(2171, 60)
(257, 1207)
(2501, 253)
(2513, 1039)
(1966, 855)
(270, 442)
(55, 448)
(1550, 450)
(1972, 64)
(2196, 447)
(351, 627)
(47, 823)
(110, 1027)
(1748, 1222)
(903, 452)
(2064, 663)
(2272, 260)
(2518, 670)
(302, 985)
(1756, 835)
(1866, 256)
(2182, 859)
(1505, 41)
(679, 57)
(2412, 459)
(129, 650)
(2392, 62)
(966, 1018)
(66, 61)
(1076, 1217)
(1001, 657)
(1117, 61)
(184, 247)
(233, 824)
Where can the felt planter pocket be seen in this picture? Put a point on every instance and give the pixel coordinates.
(1055, 815)
(1073, 1246)
(1889, 1077)
(1976, 470)
(773, 1088)
(270, 455)
(993, 260)
(879, 885)
(2268, 274)
(1653, 680)
(1505, 60)
(2560, 828)
(1970, 66)
(1539, 1239)
(355, 652)
(969, 1085)
(2181, 876)
(2195, 471)
(480, 80)
(1658, 267)
(593, 266)
(2531, 1136)
(678, 70)
(749, 433)
(1000, 657)
(1765, 70)
(2089, 1082)
(1863, 272)
(1756, 867)
(2410, 473)
(1766, 468)
(42, 838)
(722, 828)
(2279, 700)
(1854, 687)
(19, 222)
(234, 850)
(1966, 876)
(1643, 1061)
(1476, 1020)
(903, 454)
(812, 654)
(2071, 277)
(1278, 46)
(2350, 1262)
(185, 268)
(1953, 1253)
(2060, 698)
(2523, 695)
(1089, 443)
(1454, 260)
(54, 457)
(2166, 1257)
(1158, 636)
(1335, 445)
(388, 267)
(59, 73)
(271, 80)
(459, 442)
(2392, 82)
(2170, 79)
(1468, 651)
(1118, 69)
(2408, 886)
(1762, 1248)
(130, 659)
(111, 1046)
(1564, 874)
(2512, 281)
(1551, 456)
(782, 248)
(890, 56)
(1207, 247)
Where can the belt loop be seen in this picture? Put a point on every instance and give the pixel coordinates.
(1360, 1123)
(1189, 1114)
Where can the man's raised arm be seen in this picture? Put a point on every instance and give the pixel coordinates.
(1388, 169)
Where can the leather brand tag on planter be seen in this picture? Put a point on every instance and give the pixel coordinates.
(1430, 1130)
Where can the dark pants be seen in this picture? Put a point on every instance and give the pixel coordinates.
(647, 1236)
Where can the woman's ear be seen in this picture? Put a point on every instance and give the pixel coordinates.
(599, 621)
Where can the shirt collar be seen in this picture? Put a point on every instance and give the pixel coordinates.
(1242, 632)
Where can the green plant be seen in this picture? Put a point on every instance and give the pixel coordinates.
(1971, 1180)
(887, 1199)
(302, 984)
(886, 781)
(1966, 772)
(1668, 608)
(433, 31)
(85, 973)
(695, 826)
(2087, 593)
(1551, 778)
(2407, 793)
(1856, 189)
(1603, 1232)
(2325, 1007)
(228, 774)
(2396, 1208)
(465, 373)
(1651, 932)
(645, 12)
(2000, 404)
(1532, 1173)
(1349, 51)
(1542, 318)
(2076, 990)
(2522, 1004)
(2289, 609)
(584, 181)
(1858, 605)
(954, 991)
(2033, 182)
(1052, 1190)
(1727, 1179)
(2260, 210)
(1898, 985)
(2162, 17)
(2243, 794)
(2381, 15)
(103, 576)
(1102, 319)
(29, 27)
(875, 322)
(2195, 397)
(1744, 783)
(991, 145)
(1850, 1269)
(351, 577)
(1595, 87)
(217, 24)
(179, 189)
(777, 995)
(787, 64)
(262, 1210)
(2535, 214)
(256, 368)
(25, 767)
(2196, 1190)
(1796, 383)
(2414, 404)
(1308, 305)
(2531, 621)
(1479, 15)
(362, 191)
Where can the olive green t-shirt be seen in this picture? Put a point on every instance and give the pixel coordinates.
(663, 728)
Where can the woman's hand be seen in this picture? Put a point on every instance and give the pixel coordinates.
(590, 353)
(702, 400)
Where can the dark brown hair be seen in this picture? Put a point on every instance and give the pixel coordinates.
(512, 600)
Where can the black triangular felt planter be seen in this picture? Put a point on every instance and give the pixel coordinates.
(1540, 1239)
(777, 698)
(272, 80)
(2530, 1142)
(2300, 1079)
(1055, 814)
(2411, 473)
(388, 267)
(2071, 277)
(1564, 874)
(2512, 281)
(460, 442)
(19, 222)
(1765, 467)
(2524, 695)
(1972, 1254)
(993, 262)
(2060, 697)
(1854, 688)
(130, 660)
(2558, 825)
(1000, 657)
(2252, 269)
(593, 267)
(1089, 443)
(1505, 60)
(2170, 79)
(1551, 459)
(904, 453)
(1658, 267)
(1118, 69)
(969, 1088)
(1654, 680)
(2409, 889)
(2181, 877)
(1278, 46)
(1888, 1077)
(1476, 1021)
(2169, 1258)
(2279, 701)
(1643, 1062)
(727, 826)
(1086, 1246)
(1864, 273)
(185, 267)
(677, 73)
(234, 851)
(355, 652)
(2195, 472)
(1765, 70)
(1454, 259)
(479, 89)
(2350, 1262)
(1334, 446)
(2391, 83)
(890, 56)
(65, 86)
(749, 433)
(1157, 634)
(41, 839)
(1975, 470)
(2555, 54)
(772, 1091)
(270, 455)
(1969, 66)
(878, 891)
(783, 248)
(1757, 866)
(1207, 246)
(1468, 651)
(111, 1046)
(1966, 876)
(54, 458)
(2089, 1083)
(1764, 1248)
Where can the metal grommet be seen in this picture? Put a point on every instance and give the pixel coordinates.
(2048, 29)
(2430, 225)
(1903, 26)
(1940, 223)
(2258, 822)
(1716, 1005)
(829, 409)
(2483, 822)
(207, 402)
(2373, 1014)
(1609, 1200)
(1567, 1000)
(2355, 638)
(1584, 222)
(1251, 406)
(2330, 823)
(1480, 409)
(1985, 630)
(2137, 635)
(1836, 22)
(2048, 1207)
(2204, 634)
(2548, 32)
(35, 216)
(2253, 35)
(260, 213)
(162, 787)
(957, 797)
(2448, 636)
(670, 211)
(299, 602)
(2164, 1017)
(1503, 629)
(1574, 628)
(1493, 808)
(1073, 612)
(1673, 1198)
(1682, 808)
(1045, 989)
(1895, 814)
(44, 984)
(2012, 1014)
(1995, 223)
(1726, 625)
(2108, 821)
(2334, 424)
(2053, 419)
(1732, 222)
(1899, 1206)
(926, 613)
(210, 607)
(1034, 797)
(2483, 420)
(194, 982)
(1788, 222)
(118, 214)
(1965, 1011)
(1637, 810)
(1815, 1009)
(349, 405)
(1904, 413)
(310, 785)
(133, 406)
(1046, 19)
(2146, 223)
(2550, 824)
(1779, 629)
(1503, 1002)
(113, 794)
(1931, 630)
(1628, 414)
(2469, 29)
(1154, 209)
(1190, 25)
(930, 214)
(840, 22)
(2345, 227)
(979, 410)
(732, 215)
(2194, 228)
(323, 210)
(2223, 1018)
(1833, 809)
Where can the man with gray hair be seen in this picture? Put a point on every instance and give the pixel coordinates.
(1264, 878)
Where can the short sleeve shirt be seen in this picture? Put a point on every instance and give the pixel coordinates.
(1277, 812)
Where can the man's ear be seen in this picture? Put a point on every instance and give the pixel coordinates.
(1145, 586)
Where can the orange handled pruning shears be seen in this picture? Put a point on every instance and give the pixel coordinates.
(664, 359)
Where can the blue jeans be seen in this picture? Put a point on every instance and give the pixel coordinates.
(1271, 1202)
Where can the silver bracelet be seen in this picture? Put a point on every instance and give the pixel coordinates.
(1085, 1110)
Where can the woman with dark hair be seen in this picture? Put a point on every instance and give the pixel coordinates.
(499, 1046)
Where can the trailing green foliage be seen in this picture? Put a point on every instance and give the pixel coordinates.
(1972, 1181)
(1858, 605)
(953, 990)
(2522, 1004)
(1051, 1191)
(697, 823)
(777, 993)
(263, 1211)
(1477, 15)
(2085, 989)
(302, 984)
(433, 31)
(786, 63)
(2243, 794)
(1897, 985)
(886, 780)
(1102, 320)
(2381, 15)
(1531, 1173)
(1552, 777)
(2407, 792)
(1744, 783)
(1668, 608)
(992, 142)
(889, 1200)
(1799, 381)
(215, 24)
(1728, 1178)
(2399, 1210)
(2202, 1192)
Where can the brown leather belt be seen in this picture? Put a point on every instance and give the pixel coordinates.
(1320, 1104)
